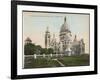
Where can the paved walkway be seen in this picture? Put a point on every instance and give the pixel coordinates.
(59, 62)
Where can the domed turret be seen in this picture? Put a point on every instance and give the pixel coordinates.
(64, 26)
(28, 40)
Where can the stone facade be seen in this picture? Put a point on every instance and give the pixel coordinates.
(47, 39)
(65, 45)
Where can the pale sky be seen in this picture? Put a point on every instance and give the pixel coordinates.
(35, 24)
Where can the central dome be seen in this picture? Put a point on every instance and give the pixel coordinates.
(64, 26)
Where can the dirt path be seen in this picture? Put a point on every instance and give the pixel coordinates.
(59, 62)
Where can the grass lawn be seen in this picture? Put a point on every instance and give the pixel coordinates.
(82, 60)
(41, 63)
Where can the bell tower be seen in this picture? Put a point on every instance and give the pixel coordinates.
(47, 38)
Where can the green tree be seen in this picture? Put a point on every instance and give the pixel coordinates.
(29, 49)
(44, 51)
(38, 49)
(50, 50)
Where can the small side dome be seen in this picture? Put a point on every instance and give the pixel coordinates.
(28, 40)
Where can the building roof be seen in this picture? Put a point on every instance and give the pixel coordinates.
(28, 39)
(47, 31)
(64, 26)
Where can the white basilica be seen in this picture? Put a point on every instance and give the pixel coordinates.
(65, 45)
